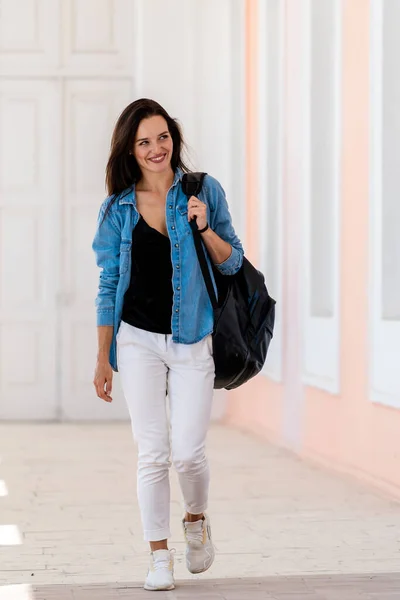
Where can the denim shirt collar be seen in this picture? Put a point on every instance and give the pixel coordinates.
(129, 197)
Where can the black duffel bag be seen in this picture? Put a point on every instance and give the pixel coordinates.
(244, 312)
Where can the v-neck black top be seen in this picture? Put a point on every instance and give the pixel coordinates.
(148, 300)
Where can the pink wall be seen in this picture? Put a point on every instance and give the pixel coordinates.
(257, 406)
(348, 431)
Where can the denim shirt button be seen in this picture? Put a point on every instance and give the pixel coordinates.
(177, 266)
(176, 245)
(179, 288)
(177, 310)
(170, 205)
(173, 228)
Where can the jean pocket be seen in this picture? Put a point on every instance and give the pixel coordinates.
(120, 331)
(210, 346)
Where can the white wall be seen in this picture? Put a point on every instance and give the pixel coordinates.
(190, 58)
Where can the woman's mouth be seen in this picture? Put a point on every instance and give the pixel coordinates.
(157, 159)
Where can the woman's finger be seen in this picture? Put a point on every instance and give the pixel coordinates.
(101, 392)
(197, 210)
(195, 202)
(193, 214)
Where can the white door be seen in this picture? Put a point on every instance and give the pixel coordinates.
(29, 193)
(91, 108)
(65, 75)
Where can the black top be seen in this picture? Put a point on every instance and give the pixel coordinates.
(148, 300)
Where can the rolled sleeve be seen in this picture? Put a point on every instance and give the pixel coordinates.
(232, 264)
(106, 246)
(221, 222)
(105, 317)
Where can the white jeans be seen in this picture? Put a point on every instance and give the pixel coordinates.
(149, 364)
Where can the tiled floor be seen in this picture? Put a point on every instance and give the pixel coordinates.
(69, 492)
(333, 587)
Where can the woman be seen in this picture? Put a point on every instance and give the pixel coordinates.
(155, 321)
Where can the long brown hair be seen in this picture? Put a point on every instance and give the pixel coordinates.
(122, 169)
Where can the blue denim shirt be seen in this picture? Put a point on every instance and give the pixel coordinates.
(192, 314)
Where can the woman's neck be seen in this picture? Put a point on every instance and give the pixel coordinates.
(156, 182)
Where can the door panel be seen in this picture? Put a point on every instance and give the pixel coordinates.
(29, 196)
(92, 108)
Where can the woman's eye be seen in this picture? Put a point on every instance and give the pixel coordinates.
(163, 137)
(143, 143)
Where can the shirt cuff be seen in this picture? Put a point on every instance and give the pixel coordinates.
(105, 318)
(232, 264)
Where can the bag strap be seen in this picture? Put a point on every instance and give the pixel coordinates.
(192, 184)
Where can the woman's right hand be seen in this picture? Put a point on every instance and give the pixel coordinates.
(102, 382)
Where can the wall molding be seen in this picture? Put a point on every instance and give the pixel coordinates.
(321, 339)
(273, 366)
(384, 334)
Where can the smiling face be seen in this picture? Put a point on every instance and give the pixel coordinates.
(153, 145)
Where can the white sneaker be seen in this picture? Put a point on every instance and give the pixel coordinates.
(200, 551)
(161, 571)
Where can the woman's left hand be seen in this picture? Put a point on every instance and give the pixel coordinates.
(197, 209)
